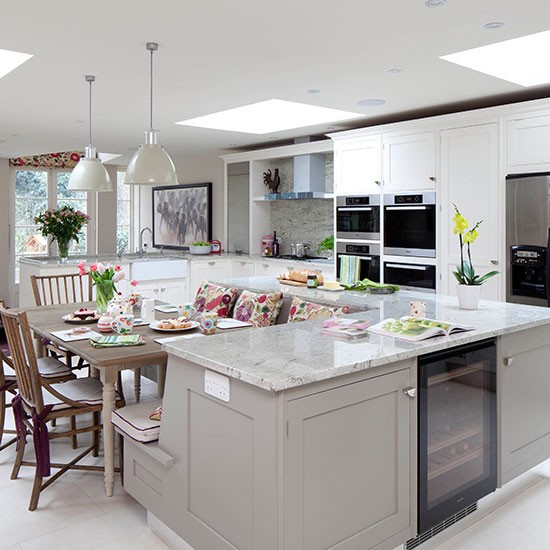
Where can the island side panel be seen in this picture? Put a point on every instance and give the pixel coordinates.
(223, 490)
(523, 379)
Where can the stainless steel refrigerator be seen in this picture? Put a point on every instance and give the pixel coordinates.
(527, 238)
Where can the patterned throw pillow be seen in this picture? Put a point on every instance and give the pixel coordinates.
(259, 309)
(214, 298)
(307, 311)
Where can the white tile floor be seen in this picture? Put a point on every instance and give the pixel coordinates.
(75, 514)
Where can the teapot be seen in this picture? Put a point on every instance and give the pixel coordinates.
(119, 306)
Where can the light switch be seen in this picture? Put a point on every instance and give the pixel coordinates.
(216, 384)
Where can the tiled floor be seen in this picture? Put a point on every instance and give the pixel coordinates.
(75, 514)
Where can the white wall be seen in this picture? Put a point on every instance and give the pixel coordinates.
(4, 229)
(198, 169)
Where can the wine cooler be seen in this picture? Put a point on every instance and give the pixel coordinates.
(457, 430)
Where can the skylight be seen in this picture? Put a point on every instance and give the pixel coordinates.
(273, 115)
(523, 60)
(11, 60)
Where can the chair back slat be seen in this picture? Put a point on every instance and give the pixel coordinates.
(21, 346)
(69, 288)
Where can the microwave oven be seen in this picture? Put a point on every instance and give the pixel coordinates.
(358, 217)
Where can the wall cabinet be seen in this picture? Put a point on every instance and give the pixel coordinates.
(524, 407)
(469, 179)
(358, 167)
(409, 162)
(528, 140)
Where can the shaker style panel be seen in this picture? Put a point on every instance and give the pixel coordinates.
(358, 167)
(528, 140)
(409, 162)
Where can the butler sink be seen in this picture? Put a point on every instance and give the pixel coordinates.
(158, 268)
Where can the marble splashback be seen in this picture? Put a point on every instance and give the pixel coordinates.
(305, 220)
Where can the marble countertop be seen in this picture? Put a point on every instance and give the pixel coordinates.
(291, 355)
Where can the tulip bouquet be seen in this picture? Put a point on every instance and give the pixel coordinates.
(104, 277)
(465, 273)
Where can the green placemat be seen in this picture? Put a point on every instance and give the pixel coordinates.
(118, 340)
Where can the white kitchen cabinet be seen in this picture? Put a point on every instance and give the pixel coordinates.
(409, 161)
(171, 291)
(469, 179)
(270, 268)
(528, 140)
(217, 270)
(243, 268)
(358, 166)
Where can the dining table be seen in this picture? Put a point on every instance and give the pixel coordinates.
(44, 321)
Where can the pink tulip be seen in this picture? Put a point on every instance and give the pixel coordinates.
(133, 282)
(93, 267)
(117, 268)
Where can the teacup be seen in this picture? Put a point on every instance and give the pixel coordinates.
(123, 324)
(418, 309)
(187, 311)
(208, 322)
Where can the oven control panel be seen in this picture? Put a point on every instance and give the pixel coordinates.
(409, 199)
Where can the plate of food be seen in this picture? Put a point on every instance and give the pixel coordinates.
(82, 316)
(173, 325)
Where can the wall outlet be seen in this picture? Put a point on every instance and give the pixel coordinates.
(216, 384)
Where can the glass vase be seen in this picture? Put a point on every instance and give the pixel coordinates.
(104, 293)
(63, 244)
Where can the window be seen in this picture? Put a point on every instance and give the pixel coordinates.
(77, 200)
(124, 214)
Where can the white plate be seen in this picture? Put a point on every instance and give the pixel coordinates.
(155, 326)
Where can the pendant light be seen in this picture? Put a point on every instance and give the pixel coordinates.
(151, 164)
(89, 174)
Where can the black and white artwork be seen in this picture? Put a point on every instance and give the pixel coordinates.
(182, 214)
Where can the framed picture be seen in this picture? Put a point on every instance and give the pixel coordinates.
(182, 214)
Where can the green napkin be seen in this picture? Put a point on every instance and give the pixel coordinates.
(118, 340)
(367, 284)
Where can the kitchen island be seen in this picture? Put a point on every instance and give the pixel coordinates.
(311, 442)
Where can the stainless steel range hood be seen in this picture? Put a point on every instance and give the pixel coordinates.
(309, 179)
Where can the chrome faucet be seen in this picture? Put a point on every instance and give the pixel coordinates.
(141, 240)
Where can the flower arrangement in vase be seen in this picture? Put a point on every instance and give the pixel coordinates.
(104, 277)
(63, 225)
(469, 283)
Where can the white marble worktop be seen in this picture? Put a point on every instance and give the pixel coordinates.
(286, 356)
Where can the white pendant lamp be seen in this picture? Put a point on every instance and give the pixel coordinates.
(151, 164)
(89, 174)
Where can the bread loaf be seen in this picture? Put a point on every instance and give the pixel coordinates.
(300, 275)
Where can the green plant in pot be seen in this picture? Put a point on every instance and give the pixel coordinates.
(469, 283)
(326, 245)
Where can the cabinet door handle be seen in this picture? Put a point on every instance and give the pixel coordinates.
(211, 263)
(432, 178)
(242, 263)
(507, 361)
(265, 266)
(494, 262)
(410, 392)
(163, 289)
(378, 182)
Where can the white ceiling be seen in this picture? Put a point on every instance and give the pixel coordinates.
(220, 54)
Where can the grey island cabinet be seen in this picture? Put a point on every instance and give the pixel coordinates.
(285, 438)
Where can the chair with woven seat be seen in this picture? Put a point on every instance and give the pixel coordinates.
(38, 402)
(50, 368)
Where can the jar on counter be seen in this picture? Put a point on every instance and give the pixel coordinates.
(312, 281)
(267, 245)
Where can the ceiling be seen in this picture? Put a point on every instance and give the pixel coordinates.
(219, 54)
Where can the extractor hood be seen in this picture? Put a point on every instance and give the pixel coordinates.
(309, 179)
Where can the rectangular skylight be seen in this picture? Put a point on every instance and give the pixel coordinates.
(523, 60)
(11, 60)
(273, 115)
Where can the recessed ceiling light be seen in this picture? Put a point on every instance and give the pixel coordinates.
(435, 3)
(523, 60)
(395, 71)
(314, 91)
(371, 102)
(493, 25)
(11, 60)
(273, 115)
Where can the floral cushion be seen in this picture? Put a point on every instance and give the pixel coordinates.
(214, 298)
(307, 311)
(259, 309)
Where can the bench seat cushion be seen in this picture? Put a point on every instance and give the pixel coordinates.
(302, 310)
(215, 299)
(134, 421)
(261, 309)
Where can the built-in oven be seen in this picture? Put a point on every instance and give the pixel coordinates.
(368, 258)
(409, 224)
(358, 217)
(404, 274)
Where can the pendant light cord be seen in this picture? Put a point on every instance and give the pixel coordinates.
(90, 113)
(151, 101)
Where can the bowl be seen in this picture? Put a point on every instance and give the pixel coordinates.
(199, 249)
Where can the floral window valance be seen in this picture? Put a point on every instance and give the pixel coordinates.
(66, 159)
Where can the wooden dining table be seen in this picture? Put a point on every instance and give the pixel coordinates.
(45, 320)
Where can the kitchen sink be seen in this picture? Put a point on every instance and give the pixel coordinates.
(158, 268)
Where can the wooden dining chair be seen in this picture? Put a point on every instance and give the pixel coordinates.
(38, 402)
(68, 288)
(51, 369)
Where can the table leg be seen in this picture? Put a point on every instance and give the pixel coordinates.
(161, 380)
(108, 378)
(137, 384)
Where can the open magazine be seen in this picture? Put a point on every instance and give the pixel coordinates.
(416, 328)
(342, 327)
